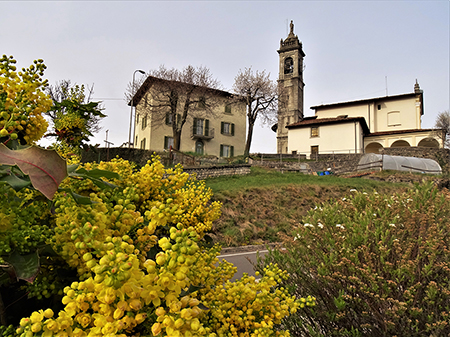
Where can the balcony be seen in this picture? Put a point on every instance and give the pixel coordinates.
(202, 133)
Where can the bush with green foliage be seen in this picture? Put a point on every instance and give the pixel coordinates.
(378, 265)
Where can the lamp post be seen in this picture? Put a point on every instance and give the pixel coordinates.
(131, 112)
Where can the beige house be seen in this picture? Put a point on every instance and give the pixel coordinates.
(363, 126)
(218, 130)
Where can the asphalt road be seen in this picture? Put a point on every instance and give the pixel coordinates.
(242, 258)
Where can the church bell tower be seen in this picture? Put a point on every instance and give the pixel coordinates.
(290, 81)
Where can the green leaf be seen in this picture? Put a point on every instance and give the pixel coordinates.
(202, 306)
(95, 176)
(26, 267)
(45, 168)
(96, 173)
(17, 182)
(79, 199)
(192, 289)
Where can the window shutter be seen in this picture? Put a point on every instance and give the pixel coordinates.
(231, 151)
(221, 127)
(221, 150)
(166, 141)
(206, 127)
(194, 127)
(232, 129)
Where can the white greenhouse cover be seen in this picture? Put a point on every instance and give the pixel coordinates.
(399, 163)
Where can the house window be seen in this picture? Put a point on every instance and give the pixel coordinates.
(201, 127)
(143, 144)
(314, 150)
(137, 119)
(379, 107)
(202, 102)
(315, 131)
(199, 147)
(228, 108)
(168, 142)
(169, 118)
(144, 122)
(227, 128)
(226, 151)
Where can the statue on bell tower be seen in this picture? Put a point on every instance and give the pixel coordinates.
(290, 82)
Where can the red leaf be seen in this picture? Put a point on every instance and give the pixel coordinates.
(45, 168)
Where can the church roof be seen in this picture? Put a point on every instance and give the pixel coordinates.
(367, 100)
(396, 132)
(314, 121)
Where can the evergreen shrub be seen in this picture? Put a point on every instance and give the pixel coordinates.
(377, 265)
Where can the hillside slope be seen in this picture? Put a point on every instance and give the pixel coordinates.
(266, 205)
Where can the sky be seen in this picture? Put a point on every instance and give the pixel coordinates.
(354, 49)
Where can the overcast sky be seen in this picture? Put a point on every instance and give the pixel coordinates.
(351, 47)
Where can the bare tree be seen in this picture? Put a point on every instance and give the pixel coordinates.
(260, 95)
(442, 126)
(173, 95)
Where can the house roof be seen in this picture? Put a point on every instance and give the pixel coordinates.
(314, 121)
(150, 80)
(375, 99)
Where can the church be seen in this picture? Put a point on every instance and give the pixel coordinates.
(361, 126)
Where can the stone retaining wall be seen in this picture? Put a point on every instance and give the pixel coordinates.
(204, 172)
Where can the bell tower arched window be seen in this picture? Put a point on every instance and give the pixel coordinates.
(288, 65)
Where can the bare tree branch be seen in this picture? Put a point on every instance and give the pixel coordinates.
(442, 126)
(261, 96)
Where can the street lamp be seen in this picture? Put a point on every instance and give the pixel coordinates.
(131, 112)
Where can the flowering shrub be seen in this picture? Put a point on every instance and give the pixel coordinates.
(117, 251)
(22, 101)
(378, 265)
(132, 261)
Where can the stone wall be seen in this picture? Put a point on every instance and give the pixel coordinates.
(346, 163)
(140, 157)
(337, 163)
(204, 172)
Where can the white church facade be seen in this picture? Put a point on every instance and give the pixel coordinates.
(362, 126)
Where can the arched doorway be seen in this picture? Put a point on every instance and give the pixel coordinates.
(400, 143)
(199, 147)
(373, 148)
(429, 142)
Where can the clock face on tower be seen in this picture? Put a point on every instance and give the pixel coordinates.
(288, 65)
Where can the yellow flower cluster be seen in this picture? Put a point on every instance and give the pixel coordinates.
(72, 125)
(240, 308)
(141, 269)
(22, 101)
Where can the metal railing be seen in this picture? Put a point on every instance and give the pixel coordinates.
(201, 133)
